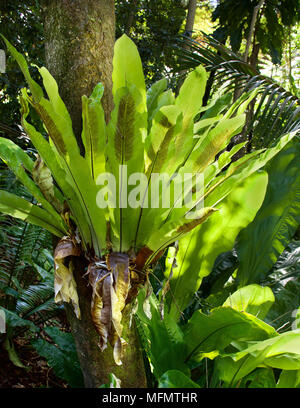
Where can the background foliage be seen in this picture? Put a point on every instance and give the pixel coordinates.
(264, 253)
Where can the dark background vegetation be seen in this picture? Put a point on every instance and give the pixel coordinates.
(158, 27)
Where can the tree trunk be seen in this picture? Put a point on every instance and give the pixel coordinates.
(252, 27)
(189, 25)
(80, 37)
(190, 19)
(96, 365)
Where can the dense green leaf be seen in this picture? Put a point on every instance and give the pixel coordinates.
(94, 131)
(20, 208)
(153, 94)
(242, 168)
(259, 378)
(65, 160)
(127, 67)
(171, 231)
(38, 299)
(125, 152)
(161, 339)
(289, 379)
(253, 299)
(278, 352)
(199, 250)
(18, 161)
(207, 335)
(261, 243)
(52, 160)
(192, 89)
(214, 141)
(12, 354)
(13, 320)
(61, 356)
(176, 379)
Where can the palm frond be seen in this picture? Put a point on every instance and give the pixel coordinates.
(37, 299)
(285, 283)
(276, 111)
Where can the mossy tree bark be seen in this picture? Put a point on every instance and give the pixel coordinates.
(96, 366)
(79, 41)
(79, 38)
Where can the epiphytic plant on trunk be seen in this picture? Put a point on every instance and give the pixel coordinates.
(150, 132)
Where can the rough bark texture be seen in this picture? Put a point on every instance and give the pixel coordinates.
(80, 36)
(190, 19)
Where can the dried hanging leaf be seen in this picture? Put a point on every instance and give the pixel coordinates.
(100, 280)
(64, 282)
(111, 284)
(119, 265)
(142, 256)
(137, 280)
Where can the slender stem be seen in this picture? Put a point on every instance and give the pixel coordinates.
(252, 26)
